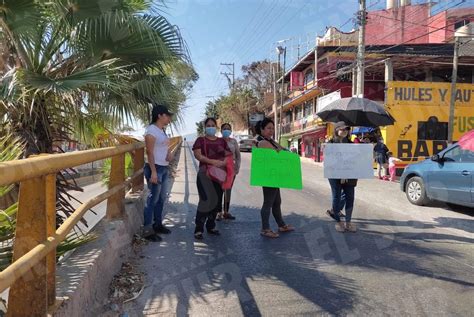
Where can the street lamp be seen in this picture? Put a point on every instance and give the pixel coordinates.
(281, 50)
(465, 31)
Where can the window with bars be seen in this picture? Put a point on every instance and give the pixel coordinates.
(308, 76)
(299, 112)
(308, 108)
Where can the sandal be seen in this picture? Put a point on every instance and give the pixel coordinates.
(228, 216)
(286, 228)
(214, 232)
(198, 236)
(269, 234)
(331, 214)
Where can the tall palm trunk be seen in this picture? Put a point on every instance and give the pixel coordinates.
(35, 129)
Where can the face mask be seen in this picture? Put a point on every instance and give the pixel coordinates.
(342, 133)
(211, 131)
(226, 133)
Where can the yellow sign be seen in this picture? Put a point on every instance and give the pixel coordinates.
(421, 111)
(428, 94)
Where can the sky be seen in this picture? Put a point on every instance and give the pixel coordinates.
(243, 31)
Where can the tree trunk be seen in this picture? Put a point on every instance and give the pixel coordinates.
(36, 130)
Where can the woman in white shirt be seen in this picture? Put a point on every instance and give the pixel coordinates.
(226, 130)
(156, 172)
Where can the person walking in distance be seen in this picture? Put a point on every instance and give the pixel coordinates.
(392, 169)
(156, 172)
(226, 131)
(380, 153)
(210, 151)
(342, 190)
(271, 196)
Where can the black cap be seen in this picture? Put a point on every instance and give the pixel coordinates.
(160, 109)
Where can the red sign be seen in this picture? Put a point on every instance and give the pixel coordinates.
(296, 80)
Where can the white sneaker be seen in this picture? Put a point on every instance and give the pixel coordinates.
(351, 227)
(340, 226)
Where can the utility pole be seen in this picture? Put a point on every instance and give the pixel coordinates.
(282, 95)
(275, 92)
(453, 90)
(231, 67)
(361, 15)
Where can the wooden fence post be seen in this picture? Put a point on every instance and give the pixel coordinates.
(50, 231)
(28, 295)
(138, 163)
(117, 177)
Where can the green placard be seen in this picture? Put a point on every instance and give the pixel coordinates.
(270, 168)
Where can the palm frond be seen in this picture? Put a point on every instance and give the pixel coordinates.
(103, 74)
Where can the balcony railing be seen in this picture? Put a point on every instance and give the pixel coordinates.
(300, 124)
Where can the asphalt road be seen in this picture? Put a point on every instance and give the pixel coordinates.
(404, 260)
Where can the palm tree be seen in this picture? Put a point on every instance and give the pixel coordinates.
(69, 66)
(68, 59)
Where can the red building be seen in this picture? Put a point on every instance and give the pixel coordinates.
(413, 24)
(396, 39)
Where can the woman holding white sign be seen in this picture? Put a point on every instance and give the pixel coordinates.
(342, 189)
(271, 196)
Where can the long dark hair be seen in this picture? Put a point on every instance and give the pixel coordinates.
(262, 125)
(155, 114)
(210, 119)
(226, 125)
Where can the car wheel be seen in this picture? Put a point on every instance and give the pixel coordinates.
(415, 191)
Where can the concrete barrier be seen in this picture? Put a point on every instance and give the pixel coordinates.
(83, 279)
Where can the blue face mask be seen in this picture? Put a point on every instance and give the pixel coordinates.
(211, 131)
(226, 133)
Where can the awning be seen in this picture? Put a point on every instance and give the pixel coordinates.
(319, 131)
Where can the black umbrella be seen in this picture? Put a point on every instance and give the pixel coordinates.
(356, 112)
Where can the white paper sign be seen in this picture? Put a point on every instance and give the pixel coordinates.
(348, 161)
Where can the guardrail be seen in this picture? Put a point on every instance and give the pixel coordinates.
(32, 275)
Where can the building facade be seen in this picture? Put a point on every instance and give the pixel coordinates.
(402, 44)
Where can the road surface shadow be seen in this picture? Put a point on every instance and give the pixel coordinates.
(183, 273)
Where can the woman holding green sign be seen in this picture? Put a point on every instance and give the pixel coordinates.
(271, 196)
(211, 152)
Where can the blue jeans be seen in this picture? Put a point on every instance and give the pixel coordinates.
(156, 195)
(342, 196)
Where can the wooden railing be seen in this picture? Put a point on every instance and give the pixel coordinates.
(32, 275)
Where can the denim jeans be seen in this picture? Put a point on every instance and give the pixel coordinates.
(342, 196)
(156, 195)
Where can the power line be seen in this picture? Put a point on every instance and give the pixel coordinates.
(259, 23)
(215, 80)
(227, 74)
(419, 10)
(264, 23)
(348, 69)
(278, 30)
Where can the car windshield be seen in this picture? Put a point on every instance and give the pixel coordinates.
(457, 154)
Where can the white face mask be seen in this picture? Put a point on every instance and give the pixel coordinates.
(342, 133)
